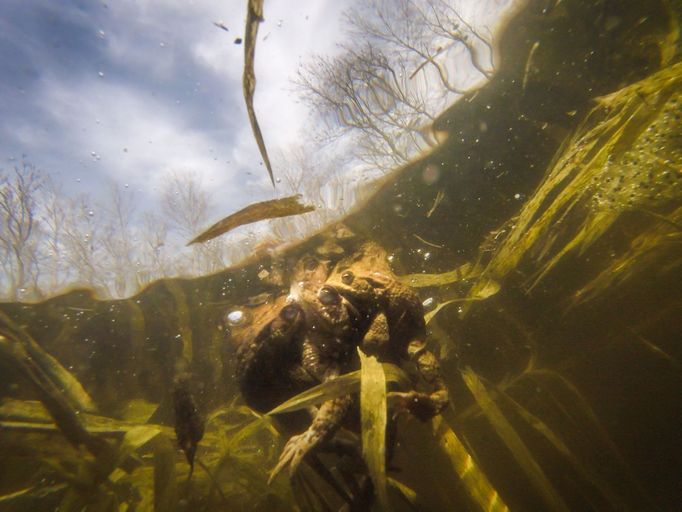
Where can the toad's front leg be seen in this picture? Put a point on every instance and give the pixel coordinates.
(424, 405)
(327, 421)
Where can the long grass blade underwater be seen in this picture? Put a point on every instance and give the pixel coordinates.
(334, 388)
(60, 376)
(594, 180)
(514, 442)
(373, 420)
(473, 479)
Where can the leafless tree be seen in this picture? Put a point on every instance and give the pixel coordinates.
(19, 189)
(421, 31)
(50, 240)
(82, 247)
(185, 202)
(386, 87)
(153, 236)
(317, 177)
(52, 217)
(119, 250)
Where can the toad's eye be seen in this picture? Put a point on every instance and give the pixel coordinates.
(347, 277)
(290, 312)
(310, 264)
(328, 296)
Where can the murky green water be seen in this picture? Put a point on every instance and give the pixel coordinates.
(556, 197)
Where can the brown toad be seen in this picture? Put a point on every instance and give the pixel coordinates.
(394, 327)
(328, 349)
(268, 368)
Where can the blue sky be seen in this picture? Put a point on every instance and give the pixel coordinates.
(129, 90)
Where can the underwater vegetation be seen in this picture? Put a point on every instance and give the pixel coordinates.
(553, 305)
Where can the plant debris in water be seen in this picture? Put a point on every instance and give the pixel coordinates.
(253, 18)
(270, 209)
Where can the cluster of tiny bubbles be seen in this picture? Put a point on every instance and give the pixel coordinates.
(650, 172)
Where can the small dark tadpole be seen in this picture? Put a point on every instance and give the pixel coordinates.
(189, 423)
(238, 40)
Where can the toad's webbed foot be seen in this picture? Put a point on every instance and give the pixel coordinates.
(323, 427)
(423, 406)
(294, 451)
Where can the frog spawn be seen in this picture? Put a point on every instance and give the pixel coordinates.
(649, 173)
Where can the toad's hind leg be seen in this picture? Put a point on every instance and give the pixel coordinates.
(327, 421)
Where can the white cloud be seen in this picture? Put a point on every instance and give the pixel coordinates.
(128, 135)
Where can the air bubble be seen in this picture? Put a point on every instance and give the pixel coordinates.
(235, 317)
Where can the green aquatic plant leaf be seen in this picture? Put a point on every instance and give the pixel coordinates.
(428, 317)
(135, 438)
(165, 484)
(67, 383)
(513, 441)
(461, 273)
(480, 291)
(655, 350)
(373, 415)
(344, 385)
(33, 414)
(648, 252)
(63, 413)
(622, 158)
(33, 492)
(406, 492)
(577, 409)
(473, 479)
(555, 440)
(138, 410)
